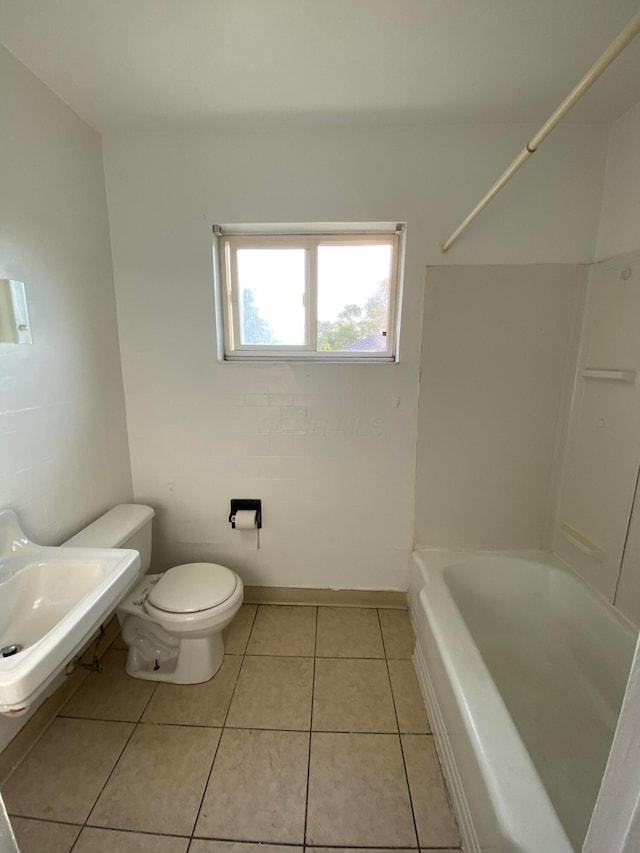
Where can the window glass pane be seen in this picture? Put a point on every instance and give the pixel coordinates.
(271, 288)
(353, 298)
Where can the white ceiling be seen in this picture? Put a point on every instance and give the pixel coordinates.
(155, 63)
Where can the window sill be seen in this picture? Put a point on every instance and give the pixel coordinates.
(291, 359)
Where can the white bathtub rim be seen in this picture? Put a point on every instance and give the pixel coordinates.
(442, 557)
(515, 791)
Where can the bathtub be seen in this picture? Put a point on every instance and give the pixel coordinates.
(523, 670)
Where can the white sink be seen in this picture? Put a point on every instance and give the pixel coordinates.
(51, 601)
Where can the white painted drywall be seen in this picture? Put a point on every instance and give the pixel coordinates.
(322, 445)
(63, 443)
(495, 343)
(619, 230)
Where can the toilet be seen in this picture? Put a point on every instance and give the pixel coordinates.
(172, 623)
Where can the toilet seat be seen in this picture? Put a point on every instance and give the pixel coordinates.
(178, 647)
(192, 588)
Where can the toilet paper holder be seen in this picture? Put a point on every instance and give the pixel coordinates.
(249, 504)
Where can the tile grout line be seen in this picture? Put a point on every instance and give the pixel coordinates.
(253, 728)
(133, 730)
(229, 841)
(233, 841)
(313, 690)
(222, 728)
(45, 820)
(81, 826)
(131, 831)
(395, 711)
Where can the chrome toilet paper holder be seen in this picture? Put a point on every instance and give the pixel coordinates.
(248, 504)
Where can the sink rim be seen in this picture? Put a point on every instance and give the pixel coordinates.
(110, 558)
(24, 675)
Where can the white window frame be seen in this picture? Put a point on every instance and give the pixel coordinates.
(229, 238)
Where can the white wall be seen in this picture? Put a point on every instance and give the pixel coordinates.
(495, 344)
(63, 444)
(619, 230)
(322, 445)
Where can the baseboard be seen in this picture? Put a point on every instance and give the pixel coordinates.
(470, 843)
(17, 749)
(390, 599)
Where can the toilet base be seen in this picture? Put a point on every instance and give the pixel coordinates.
(177, 660)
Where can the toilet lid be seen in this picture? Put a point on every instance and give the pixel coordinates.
(193, 587)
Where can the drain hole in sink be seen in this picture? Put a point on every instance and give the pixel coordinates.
(9, 651)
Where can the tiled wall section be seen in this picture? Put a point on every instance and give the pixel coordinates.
(322, 445)
(63, 444)
(334, 472)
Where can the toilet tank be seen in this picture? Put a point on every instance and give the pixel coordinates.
(124, 526)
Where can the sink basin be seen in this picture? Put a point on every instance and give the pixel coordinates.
(51, 601)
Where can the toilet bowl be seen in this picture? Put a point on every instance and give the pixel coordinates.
(172, 623)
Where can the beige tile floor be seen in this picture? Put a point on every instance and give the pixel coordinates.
(311, 735)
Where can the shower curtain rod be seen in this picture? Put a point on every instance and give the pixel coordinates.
(599, 67)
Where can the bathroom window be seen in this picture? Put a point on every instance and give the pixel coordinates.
(288, 293)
